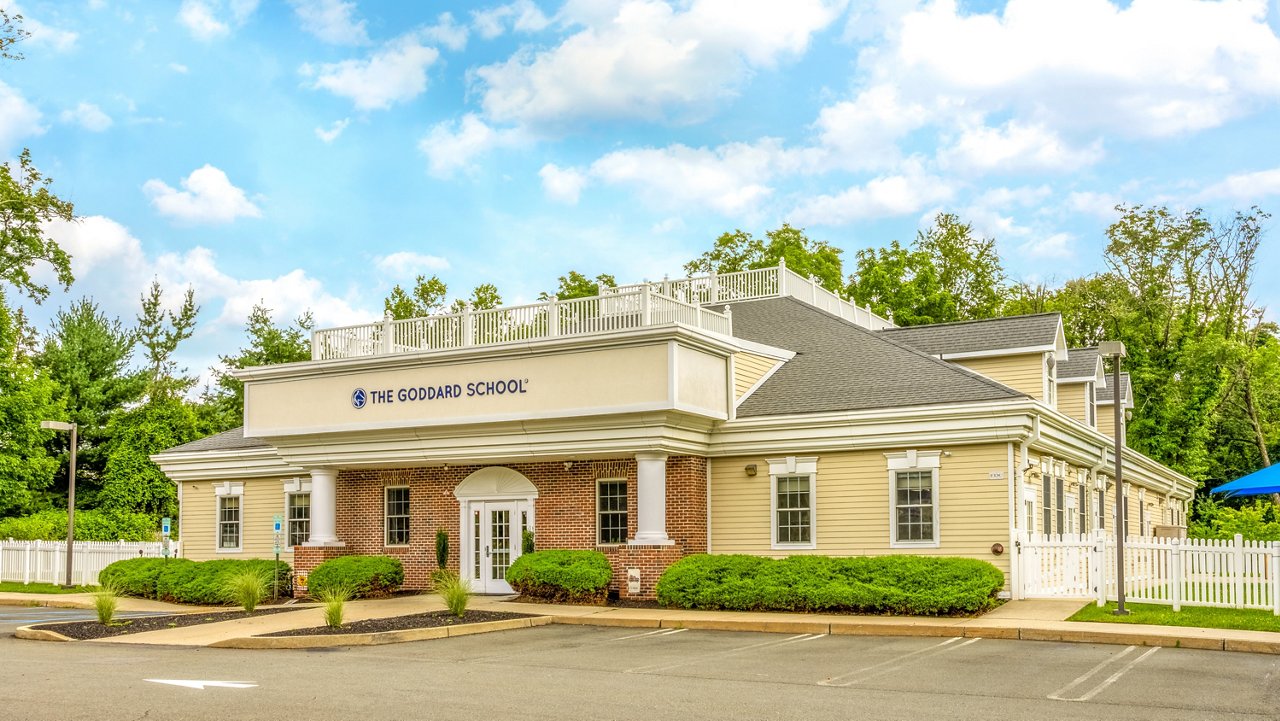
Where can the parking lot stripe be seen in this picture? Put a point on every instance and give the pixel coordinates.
(641, 635)
(655, 668)
(1058, 695)
(879, 669)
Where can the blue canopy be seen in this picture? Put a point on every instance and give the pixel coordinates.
(1258, 483)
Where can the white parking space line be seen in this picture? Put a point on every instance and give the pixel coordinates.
(655, 668)
(651, 634)
(1061, 694)
(879, 669)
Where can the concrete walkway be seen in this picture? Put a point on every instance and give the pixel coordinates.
(1039, 620)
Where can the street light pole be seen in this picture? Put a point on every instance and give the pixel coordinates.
(1115, 350)
(71, 492)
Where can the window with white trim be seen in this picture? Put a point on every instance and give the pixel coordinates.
(230, 505)
(1090, 406)
(397, 515)
(793, 501)
(913, 498)
(1082, 507)
(611, 511)
(1050, 379)
(1100, 509)
(298, 515)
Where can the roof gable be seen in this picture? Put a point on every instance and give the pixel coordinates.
(1010, 335)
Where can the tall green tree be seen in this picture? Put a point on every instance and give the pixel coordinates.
(483, 297)
(27, 468)
(87, 355)
(160, 331)
(268, 344)
(903, 284)
(425, 298)
(739, 250)
(577, 285)
(968, 266)
(11, 33)
(26, 206)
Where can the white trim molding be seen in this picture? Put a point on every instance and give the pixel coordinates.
(908, 461)
(791, 466)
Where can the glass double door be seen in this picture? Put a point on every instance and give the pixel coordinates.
(495, 543)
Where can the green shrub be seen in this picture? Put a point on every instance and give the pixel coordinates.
(907, 585)
(137, 576)
(574, 576)
(1257, 520)
(363, 576)
(247, 587)
(205, 582)
(456, 593)
(526, 542)
(91, 525)
(335, 600)
(442, 548)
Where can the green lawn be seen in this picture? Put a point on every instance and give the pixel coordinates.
(15, 587)
(1245, 620)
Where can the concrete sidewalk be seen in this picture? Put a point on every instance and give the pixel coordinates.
(1038, 620)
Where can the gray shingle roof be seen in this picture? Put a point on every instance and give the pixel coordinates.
(1080, 363)
(839, 366)
(972, 336)
(1104, 395)
(232, 440)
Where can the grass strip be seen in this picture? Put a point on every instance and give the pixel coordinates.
(15, 587)
(1197, 616)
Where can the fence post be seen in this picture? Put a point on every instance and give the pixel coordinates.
(645, 303)
(715, 288)
(1100, 563)
(782, 276)
(1175, 573)
(26, 563)
(388, 331)
(553, 317)
(1237, 570)
(468, 333)
(1275, 577)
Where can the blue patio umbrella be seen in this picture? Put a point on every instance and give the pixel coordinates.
(1265, 481)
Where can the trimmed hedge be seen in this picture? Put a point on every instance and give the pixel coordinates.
(184, 581)
(91, 525)
(898, 585)
(573, 576)
(364, 576)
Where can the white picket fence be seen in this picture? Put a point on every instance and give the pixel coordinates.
(1172, 571)
(45, 561)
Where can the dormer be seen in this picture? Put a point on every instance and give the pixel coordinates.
(1078, 382)
(1024, 352)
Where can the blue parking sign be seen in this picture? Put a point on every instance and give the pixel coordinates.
(164, 526)
(279, 521)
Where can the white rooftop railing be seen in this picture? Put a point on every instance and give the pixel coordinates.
(773, 282)
(636, 307)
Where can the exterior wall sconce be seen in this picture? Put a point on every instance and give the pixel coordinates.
(568, 465)
(751, 469)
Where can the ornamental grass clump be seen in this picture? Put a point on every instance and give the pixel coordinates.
(335, 600)
(247, 588)
(456, 593)
(105, 601)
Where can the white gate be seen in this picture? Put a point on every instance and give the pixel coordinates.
(1058, 566)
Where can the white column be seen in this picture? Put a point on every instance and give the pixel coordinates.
(324, 508)
(651, 500)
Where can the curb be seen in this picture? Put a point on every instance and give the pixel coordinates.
(31, 633)
(379, 638)
(44, 603)
(854, 628)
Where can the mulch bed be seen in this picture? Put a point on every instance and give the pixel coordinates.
(401, 623)
(88, 630)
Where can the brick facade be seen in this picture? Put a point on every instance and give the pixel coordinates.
(564, 513)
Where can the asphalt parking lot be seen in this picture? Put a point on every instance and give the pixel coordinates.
(571, 672)
(12, 617)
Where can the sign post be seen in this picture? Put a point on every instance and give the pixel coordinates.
(164, 537)
(277, 522)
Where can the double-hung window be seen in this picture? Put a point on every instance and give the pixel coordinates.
(611, 511)
(913, 499)
(230, 519)
(397, 515)
(298, 507)
(793, 501)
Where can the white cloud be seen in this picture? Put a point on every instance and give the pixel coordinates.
(18, 118)
(43, 35)
(333, 21)
(1100, 205)
(1245, 187)
(562, 184)
(667, 225)
(396, 73)
(520, 16)
(332, 133)
(449, 149)
(204, 18)
(446, 32)
(1015, 147)
(179, 68)
(88, 116)
(209, 197)
(863, 132)
(646, 59)
(1057, 246)
(406, 263)
(882, 197)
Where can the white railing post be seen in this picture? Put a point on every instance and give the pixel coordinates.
(728, 316)
(1275, 577)
(553, 317)
(315, 346)
(1237, 570)
(813, 289)
(1100, 564)
(714, 289)
(388, 329)
(468, 333)
(1175, 574)
(782, 276)
(646, 304)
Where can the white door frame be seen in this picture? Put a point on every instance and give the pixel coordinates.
(522, 510)
(487, 485)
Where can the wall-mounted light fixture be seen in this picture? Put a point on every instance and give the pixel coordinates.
(568, 465)
(750, 469)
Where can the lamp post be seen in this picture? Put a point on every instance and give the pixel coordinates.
(1115, 351)
(71, 491)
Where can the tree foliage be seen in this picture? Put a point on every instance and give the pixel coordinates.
(27, 397)
(426, 297)
(26, 206)
(269, 344)
(577, 285)
(160, 331)
(739, 250)
(11, 33)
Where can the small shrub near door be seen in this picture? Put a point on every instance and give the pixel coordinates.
(573, 576)
(362, 576)
(899, 585)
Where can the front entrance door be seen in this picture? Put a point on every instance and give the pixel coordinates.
(495, 544)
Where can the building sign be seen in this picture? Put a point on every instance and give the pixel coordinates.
(410, 394)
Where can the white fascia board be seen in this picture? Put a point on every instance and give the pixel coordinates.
(224, 465)
(767, 351)
(998, 352)
(712, 343)
(1061, 432)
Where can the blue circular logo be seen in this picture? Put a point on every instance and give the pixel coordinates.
(359, 398)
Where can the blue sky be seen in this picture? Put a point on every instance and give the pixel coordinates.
(312, 153)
